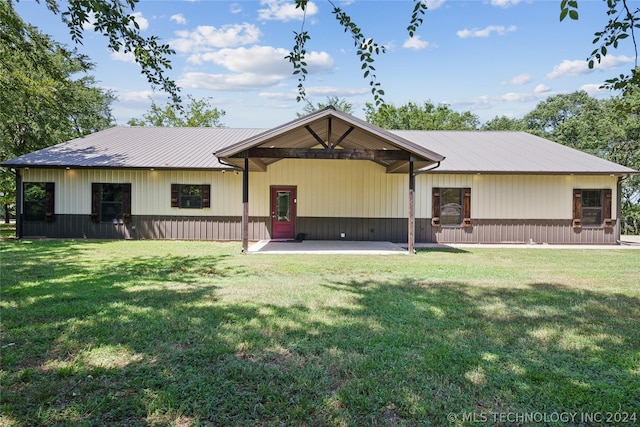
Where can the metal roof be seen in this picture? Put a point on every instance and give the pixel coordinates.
(508, 152)
(193, 148)
(139, 147)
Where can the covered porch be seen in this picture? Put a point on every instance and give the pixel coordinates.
(326, 135)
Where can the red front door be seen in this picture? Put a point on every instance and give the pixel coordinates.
(283, 212)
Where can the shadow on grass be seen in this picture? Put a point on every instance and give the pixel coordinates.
(152, 341)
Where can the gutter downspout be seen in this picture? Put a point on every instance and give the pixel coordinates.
(420, 172)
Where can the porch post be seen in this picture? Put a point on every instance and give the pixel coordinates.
(245, 204)
(412, 213)
(19, 204)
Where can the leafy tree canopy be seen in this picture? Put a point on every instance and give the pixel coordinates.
(332, 101)
(115, 21)
(412, 116)
(197, 113)
(46, 93)
(44, 102)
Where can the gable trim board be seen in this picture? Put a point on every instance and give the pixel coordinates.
(520, 186)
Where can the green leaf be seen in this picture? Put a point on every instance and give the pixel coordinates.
(573, 14)
(563, 14)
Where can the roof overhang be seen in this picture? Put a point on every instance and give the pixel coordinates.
(328, 134)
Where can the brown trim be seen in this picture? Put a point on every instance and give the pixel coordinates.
(606, 209)
(318, 228)
(175, 195)
(577, 208)
(206, 195)
(95, 202)
(205, 192)
(466, 207)
(324, 153)
(126, 202)
(49, 202)
(435, 207)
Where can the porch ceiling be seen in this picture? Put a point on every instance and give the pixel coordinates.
(329, 134)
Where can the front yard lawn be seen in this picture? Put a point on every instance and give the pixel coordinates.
(192, 333)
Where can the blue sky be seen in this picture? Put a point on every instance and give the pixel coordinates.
(493, 57)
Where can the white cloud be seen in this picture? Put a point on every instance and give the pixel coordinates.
(504, 3)
(594, 89)
(321, 91)
(520, 79)
(483, 102)
(179, 19)
(262, 59)
(569, 68)
(136, 97)
(416, 43)
(279, 96)
(235, 8)
(335, 91)
(284, 10)
(88, 26)
(540, 89)
(207, 37)
(143, 22)
(578, 66)
(228, 82)
(255, 68)
(486, 32)
(433, 4)
(124, 57)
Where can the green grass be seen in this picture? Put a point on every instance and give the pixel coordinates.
(192, 333)
(7, 230)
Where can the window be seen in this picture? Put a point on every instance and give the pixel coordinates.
(592, 208)
(38, 201)
(451, 207)
(111, 203)
(189, 196)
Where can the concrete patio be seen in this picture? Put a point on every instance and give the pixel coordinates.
(344, 247)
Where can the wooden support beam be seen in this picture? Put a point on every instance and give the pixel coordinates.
(412, 212)
(318, 153)
(315, 136)
(259, 164)
(329, 145)
(395, 166)
(344, 135)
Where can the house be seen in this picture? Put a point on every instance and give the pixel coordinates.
(327, 175)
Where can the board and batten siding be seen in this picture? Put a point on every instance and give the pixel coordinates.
(333, 196)
(333, 188)
(508, 197)
(151, 189)
(328, 188)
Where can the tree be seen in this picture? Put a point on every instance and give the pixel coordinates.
(115, 20)
(43, 101)
(332, 101)
(412, 116)
(623, 20)
(503, 123)
(197, 113)
(549, 116)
